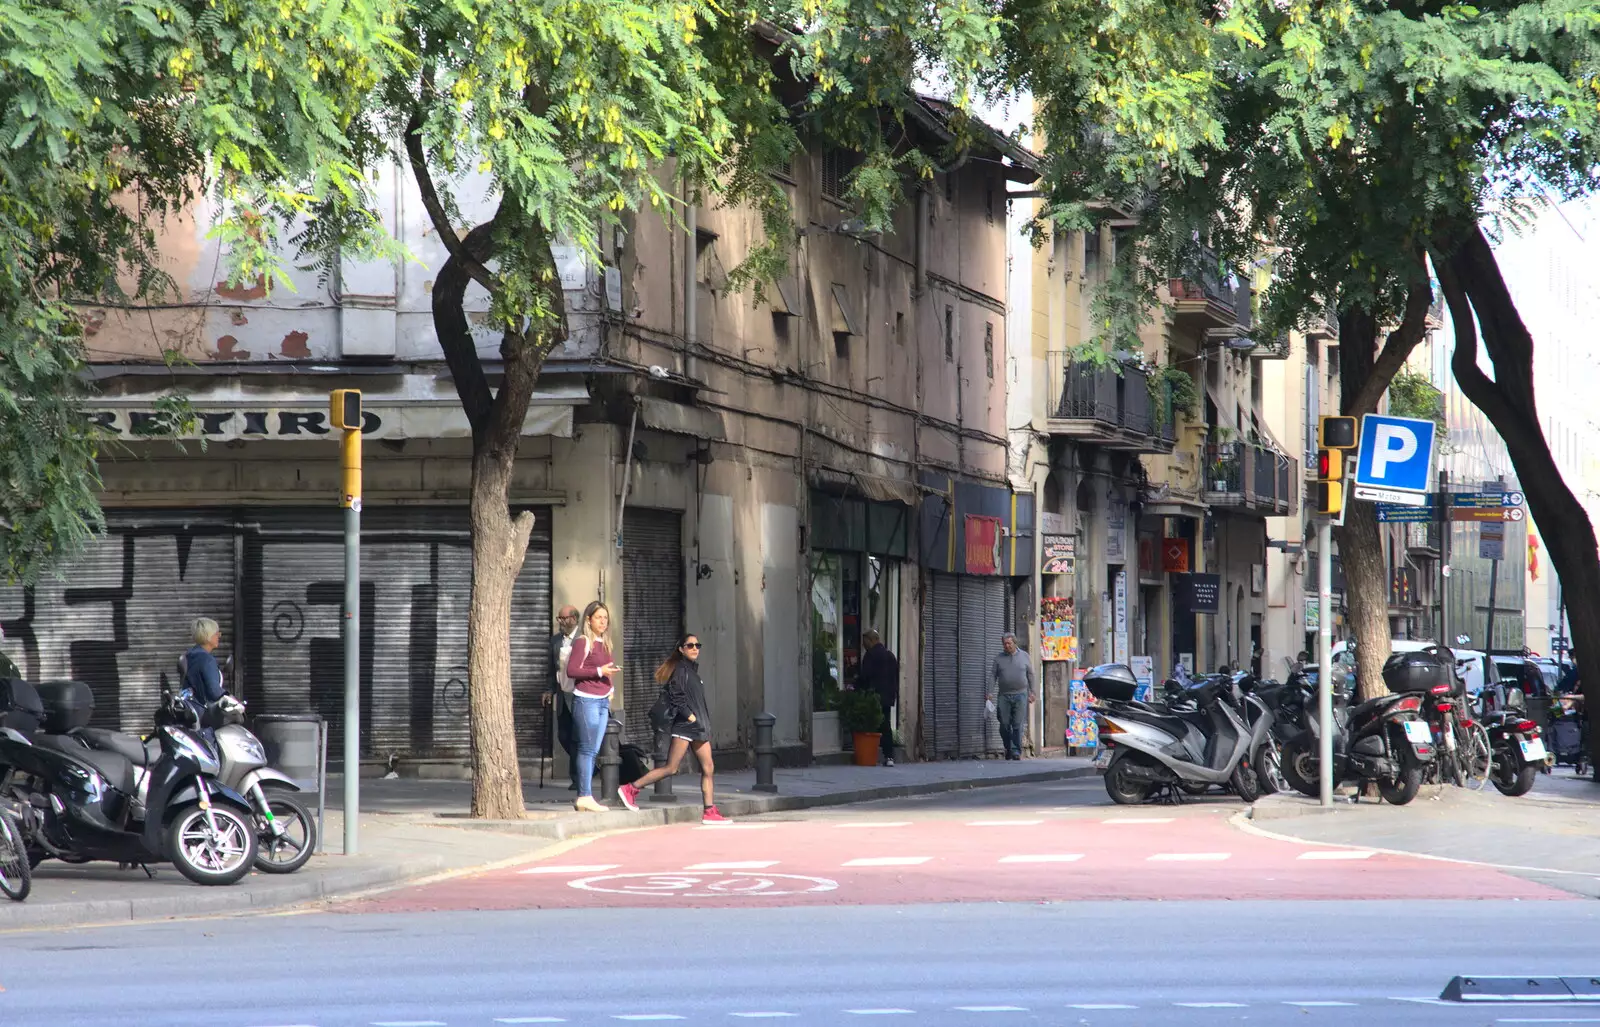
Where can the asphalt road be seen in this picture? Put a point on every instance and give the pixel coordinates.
(1227, 928)
(1095, 963)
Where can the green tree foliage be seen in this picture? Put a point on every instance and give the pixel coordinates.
(115, 114)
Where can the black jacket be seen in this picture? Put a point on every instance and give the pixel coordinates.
(686, 694)
(880, 672)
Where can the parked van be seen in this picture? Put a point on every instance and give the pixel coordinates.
(1473, 666)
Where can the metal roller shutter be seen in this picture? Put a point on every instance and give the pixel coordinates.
(942, 668)
(652, 609)
(120, 615)
(416, 585)
(975, 659)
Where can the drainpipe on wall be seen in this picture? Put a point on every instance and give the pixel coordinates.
(691, 286)
(1038, 610)
(627, 472)
(922, 241)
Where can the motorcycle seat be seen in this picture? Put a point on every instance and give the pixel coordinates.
(116, 768)
(1371, 705)
(1167, 722)
(141, 754)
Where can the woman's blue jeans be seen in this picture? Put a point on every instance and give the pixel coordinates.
(590, 715)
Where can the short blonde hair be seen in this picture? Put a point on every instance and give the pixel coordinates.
(205, 629)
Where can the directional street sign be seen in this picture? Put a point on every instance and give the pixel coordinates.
(1395, 496)
(1392, 513)
(1396, 456)
(1486, 506)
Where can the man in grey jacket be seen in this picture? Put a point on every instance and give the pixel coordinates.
(1011, 690)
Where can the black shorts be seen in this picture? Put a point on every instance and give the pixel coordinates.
(695, 732)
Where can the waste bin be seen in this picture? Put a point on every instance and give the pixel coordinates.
(297, 746)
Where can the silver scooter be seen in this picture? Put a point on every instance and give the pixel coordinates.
(1148, 749)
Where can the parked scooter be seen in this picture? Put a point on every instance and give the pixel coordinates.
(162, 802)
(1382, 741)
(1516, 743)
(1147, 748)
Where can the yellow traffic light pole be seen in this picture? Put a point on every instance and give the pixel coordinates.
(1335, 435)
(344, 413)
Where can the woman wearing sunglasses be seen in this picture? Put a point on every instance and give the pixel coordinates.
(682, 710)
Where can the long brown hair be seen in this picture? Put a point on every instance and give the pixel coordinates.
(590, 611)
(670, 665)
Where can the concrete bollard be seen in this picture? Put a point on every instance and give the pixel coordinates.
(663, 789)
(611, 760)
(766, 755)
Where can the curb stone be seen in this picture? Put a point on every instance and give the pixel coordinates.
(211, 901)
(571, 826)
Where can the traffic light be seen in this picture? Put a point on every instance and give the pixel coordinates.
(1334, 436)
(1336, 432)
(344, 409)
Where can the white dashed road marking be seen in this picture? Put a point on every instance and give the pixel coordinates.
(594, 868)
(1005, 823)
(888, 861)
(1138, 820)
(749, 864)
(991, 1009)
(1058, 857)
(1189, 857)
(1100, 1005)
(1336, 854)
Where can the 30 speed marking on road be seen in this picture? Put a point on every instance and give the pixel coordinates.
(674, 885)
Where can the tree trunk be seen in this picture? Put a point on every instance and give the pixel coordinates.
(1366, 584)
(499, 543)
(1472, 284)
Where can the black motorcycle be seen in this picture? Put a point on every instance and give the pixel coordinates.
(161, 803)
(1382, 741)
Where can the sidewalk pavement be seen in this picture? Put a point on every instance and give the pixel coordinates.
(414, 830)
(1551, 835)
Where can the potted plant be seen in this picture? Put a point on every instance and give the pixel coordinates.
(860, 715)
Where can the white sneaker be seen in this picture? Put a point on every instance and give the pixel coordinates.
(888, 763)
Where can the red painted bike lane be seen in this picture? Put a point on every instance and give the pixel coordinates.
(1007, 859)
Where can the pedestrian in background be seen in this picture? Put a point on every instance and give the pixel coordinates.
(880, 673)
(682, 709)
(594, 676)
(1011, 690)
(559, 697)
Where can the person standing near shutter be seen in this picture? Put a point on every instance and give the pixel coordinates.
(880, 674)
(593, 677)
(559, 697)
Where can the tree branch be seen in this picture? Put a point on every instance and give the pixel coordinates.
(1480, 389)
(455, 332)
(1397, 346)
(473, 268)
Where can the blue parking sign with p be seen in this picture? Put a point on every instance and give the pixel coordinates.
(1395, 453)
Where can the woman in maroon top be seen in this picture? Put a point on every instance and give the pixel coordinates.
(593, 675)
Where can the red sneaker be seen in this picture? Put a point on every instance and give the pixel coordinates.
(712, 816)
(629, 796)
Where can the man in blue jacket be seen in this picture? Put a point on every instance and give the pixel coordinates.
(201, 675)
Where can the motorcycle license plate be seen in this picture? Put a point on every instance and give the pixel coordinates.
(1102, 759)
(1532, 750)
(1418, 733)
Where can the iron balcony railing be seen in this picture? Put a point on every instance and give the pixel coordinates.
(1085, 391)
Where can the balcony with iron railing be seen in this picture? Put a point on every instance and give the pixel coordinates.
(1249, 478)
(1095, 403)
(1206, 300)
(1423, 539)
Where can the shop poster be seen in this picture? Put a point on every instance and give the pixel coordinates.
(1081, 730)
(1058, 635)
(1144, 672)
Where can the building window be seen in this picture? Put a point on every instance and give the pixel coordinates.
(950, 187)
(900, 327)
(988, 202)
(988, 348)
(837, 165)
(841, 345)
(949, 333)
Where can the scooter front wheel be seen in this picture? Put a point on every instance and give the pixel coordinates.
(286, 852)
(1300, 770)
(16, 873)
(212, 855)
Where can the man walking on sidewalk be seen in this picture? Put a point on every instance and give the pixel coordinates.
(1011, 690)
(880, 673)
